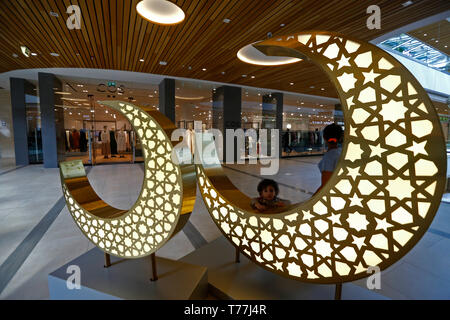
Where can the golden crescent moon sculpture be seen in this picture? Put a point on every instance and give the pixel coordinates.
(385, 190)
(165, 202)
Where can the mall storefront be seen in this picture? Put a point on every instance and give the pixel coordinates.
(85, 129)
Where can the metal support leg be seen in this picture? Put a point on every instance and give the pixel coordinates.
(155, 274)
(107, 261)
(238, 256)
(338, 292)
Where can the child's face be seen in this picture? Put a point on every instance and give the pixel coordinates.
(268, 193)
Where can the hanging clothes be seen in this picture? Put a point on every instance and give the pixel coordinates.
(121, 141)
(83, 141)
(76, 139)
(67, 140)
(113, 143)
(106, 147)
(190, 140)
(70, 140)
(127, 140)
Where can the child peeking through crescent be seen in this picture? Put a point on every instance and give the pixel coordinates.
(268, 197)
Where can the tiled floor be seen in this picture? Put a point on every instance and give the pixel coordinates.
(27, 194)
(7, 164)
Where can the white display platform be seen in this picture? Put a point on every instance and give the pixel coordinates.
(247, 281)
(129, 279)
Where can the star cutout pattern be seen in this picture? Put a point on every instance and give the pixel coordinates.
(370, 76)
(349, 225)
(152, 220)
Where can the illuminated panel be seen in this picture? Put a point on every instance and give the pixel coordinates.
(160, 11)
(384, 192)
(163, 206)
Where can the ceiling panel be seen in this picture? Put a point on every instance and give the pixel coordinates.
(113, 36)
(436, 35)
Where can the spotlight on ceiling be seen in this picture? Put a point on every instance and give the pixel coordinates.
(250, 54)
(160, 12)
(26, 52)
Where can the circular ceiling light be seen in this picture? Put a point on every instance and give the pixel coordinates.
(250, 54)
(160, 11)
(189, 98)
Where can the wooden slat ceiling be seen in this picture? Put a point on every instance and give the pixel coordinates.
(113, 36)
(436, 35)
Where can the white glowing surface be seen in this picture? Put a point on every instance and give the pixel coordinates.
(250, 54)
(160, 11)
(387, 179)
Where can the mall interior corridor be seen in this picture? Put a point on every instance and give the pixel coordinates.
(39, 235)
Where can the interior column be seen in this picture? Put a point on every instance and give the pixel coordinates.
(272, 118)
(167, 98)
(226, 113)
(19, 89)
(52, 119)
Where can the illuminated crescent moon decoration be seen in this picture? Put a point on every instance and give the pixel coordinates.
(163, 207)
(385, 190)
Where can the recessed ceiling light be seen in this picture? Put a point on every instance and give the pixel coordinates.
(250, 54)
(141, 60)
(160, 11)
(163, 63)
(204, 69)
(226, 20)
(253, 77)
(282, 25)
(223, 72)
(312, 87)
(244, 76)
(34, 54)
(323, 89)
(425, 34)
(54, 54)
(407, 3)
(291, 83)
